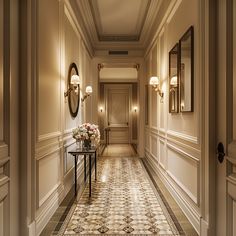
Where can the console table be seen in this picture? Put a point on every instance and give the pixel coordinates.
(87, 153)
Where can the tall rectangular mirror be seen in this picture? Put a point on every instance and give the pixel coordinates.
(173, 80)
(186, 46)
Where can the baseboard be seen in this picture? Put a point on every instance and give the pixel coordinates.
(188, 209)
(32, 229)
(49, 209)
(204, 229)
(53, 202)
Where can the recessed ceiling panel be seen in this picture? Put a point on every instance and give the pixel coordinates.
(117, 20)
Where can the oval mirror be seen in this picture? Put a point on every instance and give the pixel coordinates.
(74, 94)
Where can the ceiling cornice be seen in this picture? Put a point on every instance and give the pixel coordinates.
(85, 14)
(76, 15)
(148, 24)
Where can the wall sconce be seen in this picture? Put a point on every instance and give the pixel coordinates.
(174, 81)
(74, 81)
(154, 81)
(88, 92)
(101, 109)
(135, 109)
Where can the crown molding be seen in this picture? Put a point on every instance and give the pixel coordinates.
(75, 13)
(87, 14)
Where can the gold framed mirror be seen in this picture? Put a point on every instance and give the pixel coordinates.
(174, 79)
(186, 66)
(74, 91)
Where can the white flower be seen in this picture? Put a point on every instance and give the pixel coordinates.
(86, 131)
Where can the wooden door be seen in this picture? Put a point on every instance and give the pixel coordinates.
(226, 119)
(117, 118)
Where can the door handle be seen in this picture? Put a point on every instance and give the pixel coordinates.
(127, 123)
(108, 123)
(220, 152)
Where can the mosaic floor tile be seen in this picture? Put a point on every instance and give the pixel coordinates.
(123, 202)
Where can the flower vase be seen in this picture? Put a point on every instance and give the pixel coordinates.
(79, 144)
(87, 144)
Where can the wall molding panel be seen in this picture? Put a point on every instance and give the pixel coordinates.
(186, 204)
(48, 207)
(49, 136)
(182, 136)
(54, 171)
(179, 157)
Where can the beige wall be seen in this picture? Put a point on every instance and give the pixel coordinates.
(59, 44)
(173, 140)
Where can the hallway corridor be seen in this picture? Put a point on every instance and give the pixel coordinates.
(124, 201)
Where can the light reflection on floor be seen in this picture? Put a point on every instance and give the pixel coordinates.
(129, 195)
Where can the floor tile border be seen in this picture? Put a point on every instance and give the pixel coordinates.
(165, 202)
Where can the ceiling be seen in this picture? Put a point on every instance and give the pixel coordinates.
(119, 20)
(118, 24)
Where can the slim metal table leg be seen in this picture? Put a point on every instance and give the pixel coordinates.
(95, 164)
(75, 156)
(90, 173)
(84, 168)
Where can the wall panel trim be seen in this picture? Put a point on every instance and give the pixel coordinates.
(49, 136)
(3, 150)
(185, 137)
(191, 211)
(183, 153)
(44, 155)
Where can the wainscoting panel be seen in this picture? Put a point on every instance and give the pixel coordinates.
(154, 109)
(69, 159)
(147, 141)
(162, 155)
(234, 217)
(1, 218)
(49, 175)
(4, 190)
(154, 146)
(231, 186)
(119, 135)
(184, 171)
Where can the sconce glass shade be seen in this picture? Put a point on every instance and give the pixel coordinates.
(75, 79)
(174, 80)
(154, 80)
(89, 89)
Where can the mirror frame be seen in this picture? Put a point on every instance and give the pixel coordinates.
(172, 88)
(73, 110)
(189, 32)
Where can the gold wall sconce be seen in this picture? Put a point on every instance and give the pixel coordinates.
(174, 81)
(135, 109)
(154, 82)
(74, 81)
(88, 92)
(101, 109)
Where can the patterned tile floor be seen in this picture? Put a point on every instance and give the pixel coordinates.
(124, 201)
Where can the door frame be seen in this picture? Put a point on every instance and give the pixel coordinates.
(118, 86)
(218, 113)
(208, 55)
